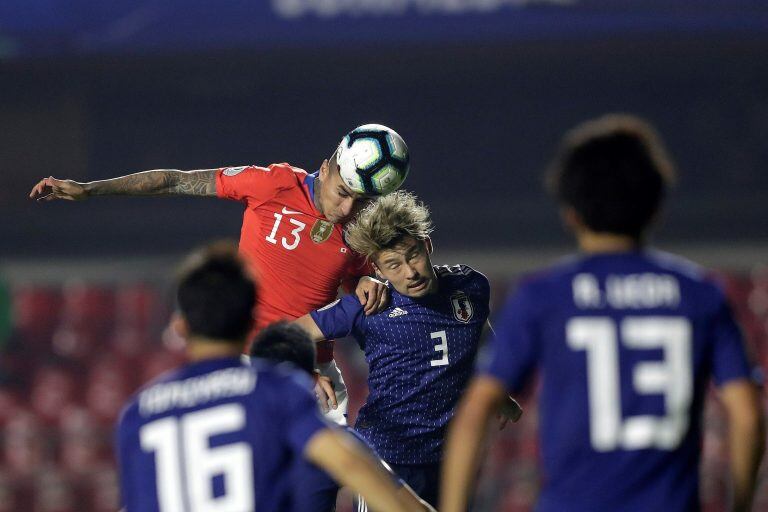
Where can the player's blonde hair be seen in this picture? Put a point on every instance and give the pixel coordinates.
(386, 221)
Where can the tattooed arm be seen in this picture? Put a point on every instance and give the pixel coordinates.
(160, 182)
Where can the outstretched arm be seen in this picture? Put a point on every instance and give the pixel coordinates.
(746, 436)
(337, 453)
(466, 437)
(147, 183)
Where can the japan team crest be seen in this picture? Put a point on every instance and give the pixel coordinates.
(462, 307)
(321, 231)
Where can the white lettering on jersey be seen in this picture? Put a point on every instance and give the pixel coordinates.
(639, 291)
(196, 390)
(631, 291)
(586, 291)
(187, 463)
(672, 377)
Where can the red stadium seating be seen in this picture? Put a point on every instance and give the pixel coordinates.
(56, 419)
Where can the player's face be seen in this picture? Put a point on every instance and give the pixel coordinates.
(338, 202)
(408, 268)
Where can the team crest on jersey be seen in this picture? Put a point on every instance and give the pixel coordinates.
(233, 171)
(462, 307)
(321, 231)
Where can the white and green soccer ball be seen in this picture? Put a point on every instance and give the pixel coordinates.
(373, 160)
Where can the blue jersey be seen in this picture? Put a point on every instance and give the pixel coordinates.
(215, 435)
(626, 344)
(420, 355)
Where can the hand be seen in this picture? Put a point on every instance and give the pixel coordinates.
(324, 392)
(510, 410)
(373, 295)
(58, 189)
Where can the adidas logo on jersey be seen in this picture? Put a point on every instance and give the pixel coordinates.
(397, 312)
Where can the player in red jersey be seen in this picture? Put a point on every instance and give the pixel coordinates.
(291, 235)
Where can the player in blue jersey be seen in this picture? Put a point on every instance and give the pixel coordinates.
(217, 434)
(421, 350)
(627, 340)
(314, 491)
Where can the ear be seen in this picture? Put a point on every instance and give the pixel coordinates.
(378, 272)
(179, 325)
(324, 169)
(571, 219)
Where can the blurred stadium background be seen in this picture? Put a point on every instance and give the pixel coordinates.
(480, 89)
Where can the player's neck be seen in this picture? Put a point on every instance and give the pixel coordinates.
(199, 349)
(591, 242)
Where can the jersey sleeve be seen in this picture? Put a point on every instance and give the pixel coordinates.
(340, 318)
(511, 353)
(252, 183)
(729, 357)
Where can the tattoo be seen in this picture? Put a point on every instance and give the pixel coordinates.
(194, 183)
(158, 182)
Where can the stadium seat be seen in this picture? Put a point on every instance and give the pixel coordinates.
(36, 311)
(25, 446)
(53, 390)
(82, 443)
(108, 386)
(55, 491)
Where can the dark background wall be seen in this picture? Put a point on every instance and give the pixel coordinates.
(481, 120)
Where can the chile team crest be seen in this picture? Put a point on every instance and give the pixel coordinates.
(321, 231)
(462, 307)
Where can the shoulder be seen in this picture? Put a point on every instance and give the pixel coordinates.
(460, 274)
(283, 387)
(466, 279)
(280, 175)
(698, 280)
(280, 375)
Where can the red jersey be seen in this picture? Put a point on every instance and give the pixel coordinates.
(298, 257)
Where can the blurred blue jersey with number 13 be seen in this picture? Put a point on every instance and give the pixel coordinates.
(627, 343)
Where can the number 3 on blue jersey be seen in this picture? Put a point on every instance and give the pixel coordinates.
(671, 377)
(440, 347)
(186, 464)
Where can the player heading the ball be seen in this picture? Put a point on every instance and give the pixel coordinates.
(292, 228)
(421, 349)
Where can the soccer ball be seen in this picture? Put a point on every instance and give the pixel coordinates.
(373, 160)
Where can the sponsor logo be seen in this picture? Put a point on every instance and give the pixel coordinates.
(233, 171)
(462, 307)
(397, 312)
(321, 231)
(286, 211)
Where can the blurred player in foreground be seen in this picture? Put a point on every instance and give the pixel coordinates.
(421, 349)
(218, 434)
(314, 490)
(292, 230)
(626, 339)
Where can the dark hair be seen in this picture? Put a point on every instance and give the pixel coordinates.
(281, 342)
(614, 171)
(216, 295)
